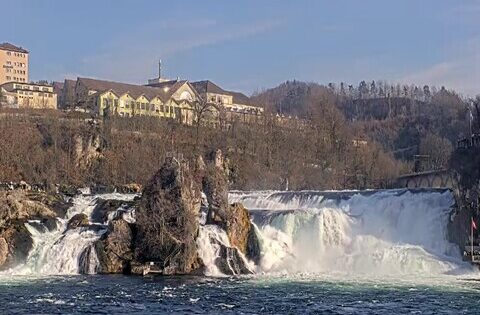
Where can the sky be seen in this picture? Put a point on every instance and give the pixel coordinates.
(251, 45)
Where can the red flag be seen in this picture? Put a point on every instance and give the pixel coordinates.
(474, 226)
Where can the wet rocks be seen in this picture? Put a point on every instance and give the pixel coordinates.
(78, 220)
(234, 219)
(241, 232)
(166, 217)
(115, 248)
(230, 262)
(19, 243)
(18, 207)
(106, 207)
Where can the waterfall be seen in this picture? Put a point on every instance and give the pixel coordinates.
(62, 251)
(373, 232)
(385, 232)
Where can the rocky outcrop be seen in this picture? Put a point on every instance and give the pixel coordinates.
(234, 219)
(78, 220)
(19, 243)
(167, 219)
(241, 232)
(16, 208)
(215, 187)
(115, 248)
(87, 149)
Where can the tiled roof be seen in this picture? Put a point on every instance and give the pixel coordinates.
(240, 98)
(121, 88)
(10, 47)
(207, 86)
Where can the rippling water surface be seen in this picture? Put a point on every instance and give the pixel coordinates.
(128, 295)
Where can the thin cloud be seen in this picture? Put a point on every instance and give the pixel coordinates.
(133, 62)
(460, 71)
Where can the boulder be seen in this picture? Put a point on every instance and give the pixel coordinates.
(132, 188)
(106, 206)
(241, 231)
(115, 248)
(230, 262)
(78, 220)
(19, 242)
(167, 219)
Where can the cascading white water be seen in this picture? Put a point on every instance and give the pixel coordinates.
(373, 232)
(58, 252)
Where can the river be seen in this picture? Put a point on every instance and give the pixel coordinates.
(369, 252)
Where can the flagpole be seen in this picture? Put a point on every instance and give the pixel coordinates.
(471, 234)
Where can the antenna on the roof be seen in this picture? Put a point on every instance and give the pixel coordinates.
(159, 68)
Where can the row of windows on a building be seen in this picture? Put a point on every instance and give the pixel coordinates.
(9, 53)
(9, 78)
(29, 87)
(39, 93)
(17, 64)
(15, 71)
(138, 106)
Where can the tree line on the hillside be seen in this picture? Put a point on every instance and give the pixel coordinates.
(340, 142)
(54, 148)
(411, 122)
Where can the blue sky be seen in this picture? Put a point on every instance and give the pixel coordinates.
(251, 45)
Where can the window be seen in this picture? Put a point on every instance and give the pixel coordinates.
(143, 106)
(127, 104)
(152, 107)
(9, 53)
(161, 108)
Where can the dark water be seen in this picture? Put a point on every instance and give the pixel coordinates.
(137, 295)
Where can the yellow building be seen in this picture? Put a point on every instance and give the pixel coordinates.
(234, 105)
(28, 95)
(13, 64)
(174, 99)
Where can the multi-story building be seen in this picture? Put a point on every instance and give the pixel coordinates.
(176, 99)
(28, 95)
(230, 101)
(13, 64)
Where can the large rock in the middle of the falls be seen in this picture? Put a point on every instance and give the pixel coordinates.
(167, 220)
(115, 248)
(234, 218)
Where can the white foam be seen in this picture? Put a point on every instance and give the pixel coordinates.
(380, 233)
